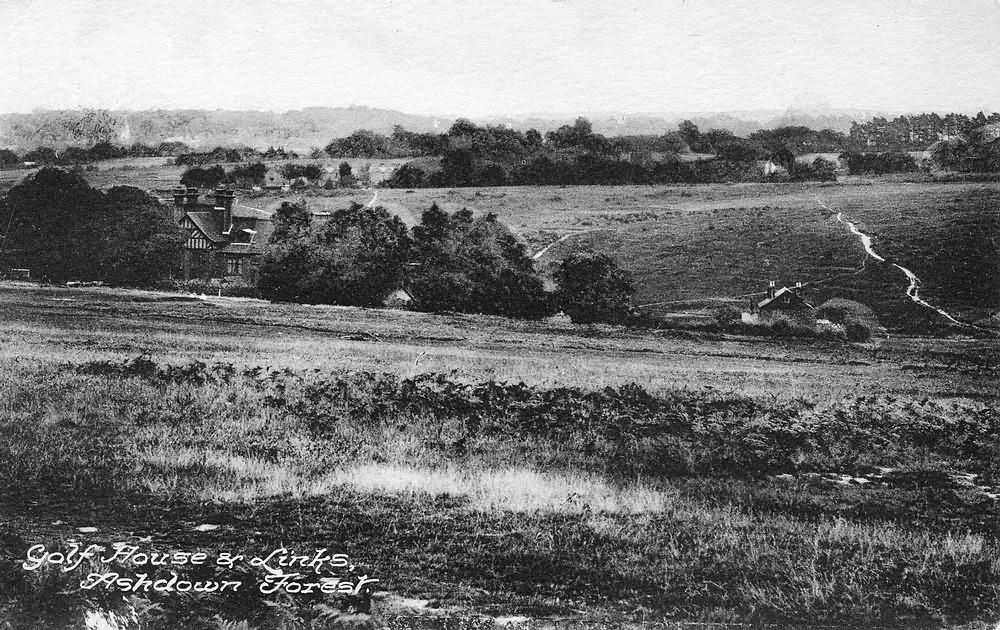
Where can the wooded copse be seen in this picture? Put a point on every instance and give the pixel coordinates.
(449, 262)
(62, 229)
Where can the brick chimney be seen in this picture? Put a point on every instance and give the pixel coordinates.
(770, 290)
(179, 199)
(224, 200)
(191, 196)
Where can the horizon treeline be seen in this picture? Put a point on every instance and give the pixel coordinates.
(91, 137)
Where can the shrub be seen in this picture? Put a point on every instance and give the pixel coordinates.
(879, 163)
(859, 321)
(356, 258)
(593, 289)
(473, 265)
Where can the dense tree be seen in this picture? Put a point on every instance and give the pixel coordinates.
(203, 177)
(312, 172)
(362, 143)
(690, 134)
(291, 221)
(407, 176)
(473, 265)
(593, 289)
(141, 241)
(879, 163)
(62, 229)
(41, 155)
(783, 157)
(736, 150)
(245, 175)
(8, 158)
(355, 258)
(55, 226)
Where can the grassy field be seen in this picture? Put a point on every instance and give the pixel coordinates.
(703, 246)
(699, 246)
(497, 467)
(710, 242)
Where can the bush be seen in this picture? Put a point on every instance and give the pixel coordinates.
(593, 289)
(879, 163)
(473, 265)
(858, 320)
(355, 259)
(62, 229)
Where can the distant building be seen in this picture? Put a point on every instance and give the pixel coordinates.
(770, 167)
(784, 303)
(378, 173)
(225, 240)
(399, 298)
(274, 180)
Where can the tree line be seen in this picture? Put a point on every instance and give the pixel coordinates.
(448, 263)
(574, 154)
(62, 229)
(914, 132)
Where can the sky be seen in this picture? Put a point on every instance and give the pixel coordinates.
(497, 57)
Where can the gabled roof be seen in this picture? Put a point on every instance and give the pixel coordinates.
(208, 224)
(779, 297)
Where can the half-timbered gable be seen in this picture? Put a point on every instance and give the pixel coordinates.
(224, 238)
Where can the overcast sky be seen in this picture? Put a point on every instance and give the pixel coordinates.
(478, 58)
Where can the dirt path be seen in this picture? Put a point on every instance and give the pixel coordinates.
(562, 239)
(912, 291)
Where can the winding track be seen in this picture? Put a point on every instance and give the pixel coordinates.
(913, 290)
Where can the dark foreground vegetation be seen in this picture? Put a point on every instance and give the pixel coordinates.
(611, 502)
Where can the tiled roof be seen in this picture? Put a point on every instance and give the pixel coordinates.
(208, 224)
(794, 296)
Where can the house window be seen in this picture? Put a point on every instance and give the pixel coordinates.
(233, 265)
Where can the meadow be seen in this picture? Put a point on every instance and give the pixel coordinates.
(496, 467)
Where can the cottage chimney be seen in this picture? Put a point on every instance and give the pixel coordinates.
(191, 196)
(770, 290)
(179, 199)
(798, 285)
(224, 199)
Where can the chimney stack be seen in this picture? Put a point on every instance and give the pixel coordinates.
(224, 199)
(770, 290)
(179, 197)
(798, 285)
(191, 196)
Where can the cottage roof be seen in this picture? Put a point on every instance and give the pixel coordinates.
(208, 223)
(785, 297)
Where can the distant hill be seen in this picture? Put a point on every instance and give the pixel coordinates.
(741, 123)
(301, 130)
(297, 130)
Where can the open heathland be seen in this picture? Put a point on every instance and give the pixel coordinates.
(493, 466)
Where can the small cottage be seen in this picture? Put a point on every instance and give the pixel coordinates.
(786, 303)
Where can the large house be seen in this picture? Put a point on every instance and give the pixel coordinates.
(226, 240)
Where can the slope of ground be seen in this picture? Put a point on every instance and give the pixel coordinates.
(712, 490)
(709, 242)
